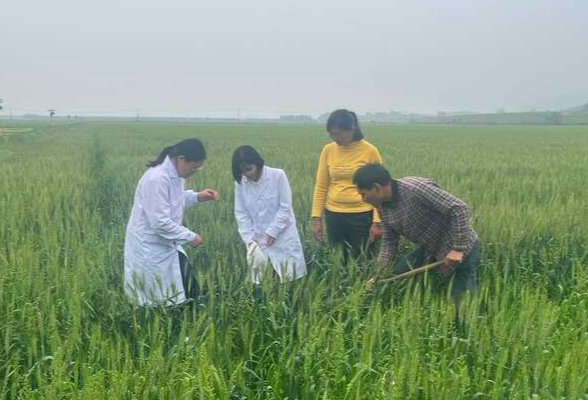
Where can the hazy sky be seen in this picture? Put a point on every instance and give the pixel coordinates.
(262, 57)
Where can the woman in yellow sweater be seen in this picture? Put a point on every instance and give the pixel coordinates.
(350, 222)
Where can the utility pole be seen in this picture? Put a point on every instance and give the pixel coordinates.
(51, 114)
(137, 116)
(1, 108)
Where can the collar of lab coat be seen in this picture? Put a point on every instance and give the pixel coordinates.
(169, 166)
(264, 177)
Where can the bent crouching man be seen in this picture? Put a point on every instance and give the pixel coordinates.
(425, 214)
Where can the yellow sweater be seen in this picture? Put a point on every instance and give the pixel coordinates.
(334, 178)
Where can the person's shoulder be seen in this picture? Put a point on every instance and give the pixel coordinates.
(277, 172)
(154, 181)
(156, 174)
(272, 169)
(413, 180)
(416, 182)
(329, 147)
(367, 145)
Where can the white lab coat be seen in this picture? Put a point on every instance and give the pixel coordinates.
(265, 208)
(155, 235)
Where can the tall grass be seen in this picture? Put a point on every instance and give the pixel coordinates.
(67, 331)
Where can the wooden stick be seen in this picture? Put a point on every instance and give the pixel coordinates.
(412, 272)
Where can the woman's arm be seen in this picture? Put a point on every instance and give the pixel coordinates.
(319, 198)
(321, 186)
(244, 220)
(283, 216)
(157, 205)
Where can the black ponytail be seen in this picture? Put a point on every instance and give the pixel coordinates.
(346, 121)
(164, 153)
(191, 149)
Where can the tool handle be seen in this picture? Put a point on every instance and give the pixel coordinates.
(412, 272)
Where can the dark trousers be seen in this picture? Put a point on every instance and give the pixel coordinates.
(350, 232)
(188, 277)
(464, 277)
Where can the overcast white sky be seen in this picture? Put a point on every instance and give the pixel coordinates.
(270, 57)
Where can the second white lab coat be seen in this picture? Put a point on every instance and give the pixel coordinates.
(265, 208)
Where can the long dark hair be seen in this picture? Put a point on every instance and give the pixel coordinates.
(245, 155)
(345, 120)
(192, 149)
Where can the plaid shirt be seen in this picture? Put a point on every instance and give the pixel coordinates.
(425, 214)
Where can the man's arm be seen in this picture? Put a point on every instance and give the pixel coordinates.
(388, 247)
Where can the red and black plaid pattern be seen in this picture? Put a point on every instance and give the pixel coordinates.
(425, 214)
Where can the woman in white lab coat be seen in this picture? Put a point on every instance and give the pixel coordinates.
(263, 209)
(157, 270)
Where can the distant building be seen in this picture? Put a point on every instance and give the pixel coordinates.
(391, 117)
(296, 119)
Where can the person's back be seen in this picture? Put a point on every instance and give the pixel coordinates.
(138, 218)
(423, 213)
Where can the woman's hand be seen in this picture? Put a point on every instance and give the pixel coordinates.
(207, 195)
(317, 229)
(375, 232)
(197, 241)
(269, 240)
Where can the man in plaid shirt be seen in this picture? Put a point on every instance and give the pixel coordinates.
(421, 211)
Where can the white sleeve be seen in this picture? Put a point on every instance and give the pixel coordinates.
(244, 220)
(283, 216)
(158, 212)
(190, 198)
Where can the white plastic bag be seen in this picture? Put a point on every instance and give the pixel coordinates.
(256, 260)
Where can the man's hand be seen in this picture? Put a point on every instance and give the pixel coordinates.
(375, 232)
(369, 285)
(452, 258)
(317, 229)
(269, 240)
(207, 195)
(197, 241)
